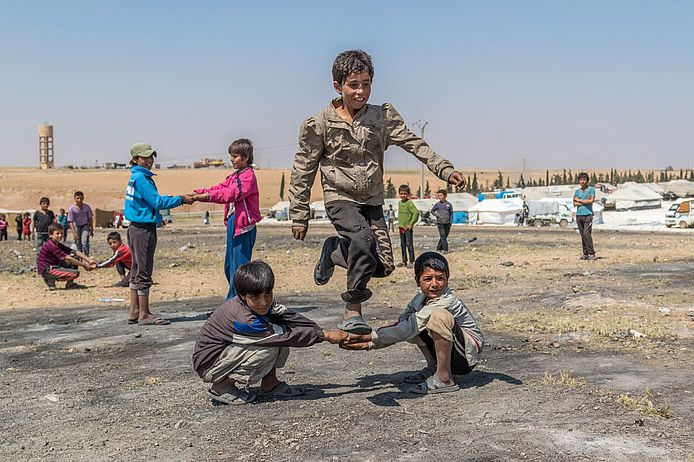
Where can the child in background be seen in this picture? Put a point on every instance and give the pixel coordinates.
(142, 205)
(26, 226)
(443, 211)
(247, 338)
(3, 227)
(56, 262)
(62, 219)
(438, 323)
(241, 189)
(408, 215)
(42, 219)
(80, 218)
(19, 223)
(121, 259)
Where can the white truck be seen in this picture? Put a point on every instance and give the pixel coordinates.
(545, 213)
(680, 214)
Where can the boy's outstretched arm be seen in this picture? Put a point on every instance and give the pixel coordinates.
(306, 162)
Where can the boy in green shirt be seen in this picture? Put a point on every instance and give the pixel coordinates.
(408, 215)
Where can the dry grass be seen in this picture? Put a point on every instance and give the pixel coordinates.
(645, 405)
(565, 378)
(604, 324)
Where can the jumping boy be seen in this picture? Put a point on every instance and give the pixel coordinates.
(346, 141)
(408, 215)
(247, 338)
(56, 262)
(438, 323)
(80, 218)
(42, 219)
(121, 259)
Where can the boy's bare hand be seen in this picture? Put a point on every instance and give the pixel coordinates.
(355, 346)
(457, 179)
(299, 232)
(335, 336)
(354, 338)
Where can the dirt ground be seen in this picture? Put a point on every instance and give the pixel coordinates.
(565, 376)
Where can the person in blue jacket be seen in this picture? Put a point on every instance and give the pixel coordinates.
(142, 206)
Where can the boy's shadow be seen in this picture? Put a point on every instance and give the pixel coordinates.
(474, 379)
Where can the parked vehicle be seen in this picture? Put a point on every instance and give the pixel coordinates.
(681, 214)
(545, 213)
(498, 194)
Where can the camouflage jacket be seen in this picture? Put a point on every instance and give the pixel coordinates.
(350, 157)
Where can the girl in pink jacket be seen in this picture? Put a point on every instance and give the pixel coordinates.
(240, 189)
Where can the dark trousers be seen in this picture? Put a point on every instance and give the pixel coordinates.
(124, 275)
(444, 230)
(407, 244)
(62, 272)
(3, 234)
(459, 364)
(585, 227)
(142, 238)
(365, 249)
(19, 234)
(41, 239)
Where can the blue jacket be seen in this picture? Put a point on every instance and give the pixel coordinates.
(142, 200)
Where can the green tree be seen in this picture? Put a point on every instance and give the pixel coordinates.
(499, 182)
(282, 187)
(419, 192)
(521, 182)
(475, 188)
(427, 190)
(547, 177)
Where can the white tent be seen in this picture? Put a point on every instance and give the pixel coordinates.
(461, 202)
(633, 196)
(597, 208)
(680, 188)
(318, 210)
(496, 212)
(566, 191)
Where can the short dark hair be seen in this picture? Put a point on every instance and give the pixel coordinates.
(583, 175)
(432, 260)
(115, 235)
(351, 62)
(78, 193)
(242, 147)
(404, 187)
(53, 227)
(44, 199)
(442, 191)
(254, 278)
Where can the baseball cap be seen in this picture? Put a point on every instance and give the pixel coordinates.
(142, 150)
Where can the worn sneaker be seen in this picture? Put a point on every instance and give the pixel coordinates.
(592, 257)
(355, 296)
(74, 285)
(324, 266)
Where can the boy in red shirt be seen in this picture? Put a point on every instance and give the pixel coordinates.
(56, 262)
(121, 259)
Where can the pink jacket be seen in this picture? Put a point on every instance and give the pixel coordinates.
(241, 188)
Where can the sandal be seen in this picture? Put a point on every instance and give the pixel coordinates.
(133, 321)
(433, 385)
(154, 322)
(419, 376)
(283, 390)
(355, 325)
(235, 397)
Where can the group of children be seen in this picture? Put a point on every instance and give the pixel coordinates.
(248, 338)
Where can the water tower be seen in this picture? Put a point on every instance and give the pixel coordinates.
(46, 146)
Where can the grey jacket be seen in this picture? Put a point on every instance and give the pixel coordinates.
(350, 157)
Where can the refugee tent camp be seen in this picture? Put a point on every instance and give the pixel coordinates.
(496, 212)
(597, 209)
(318, 210)
(634, 196)
(280, 210)
(461, 203)
(566, 191)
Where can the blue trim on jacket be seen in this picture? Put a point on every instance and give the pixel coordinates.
(142, 200)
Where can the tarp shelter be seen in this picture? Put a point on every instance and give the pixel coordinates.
(565, 191)
(280, 210)
(103, 218)
(680, 188)
(318, 210)
(496, 212)
(656, 187)
(634, 196)
(597, 208)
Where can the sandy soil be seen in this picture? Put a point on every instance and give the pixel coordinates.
(80, 384)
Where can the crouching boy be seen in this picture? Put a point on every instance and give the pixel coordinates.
(247, 338)
(121, 259)
(438, 323)
(56, 262)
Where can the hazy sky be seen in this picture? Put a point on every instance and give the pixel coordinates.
(590, 84)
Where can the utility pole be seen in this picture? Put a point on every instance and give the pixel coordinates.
(421, 124)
